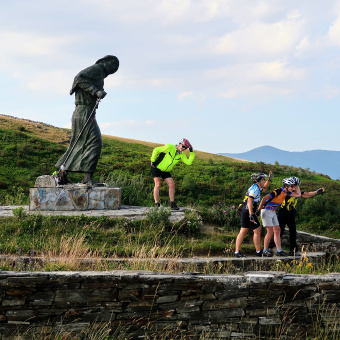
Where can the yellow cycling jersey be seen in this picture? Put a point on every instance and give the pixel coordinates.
(290, 202)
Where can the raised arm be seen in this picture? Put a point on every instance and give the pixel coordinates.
(313, 193)
(297, 193)
(270, 177)
(188, 161)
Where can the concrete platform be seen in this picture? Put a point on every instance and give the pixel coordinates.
(125, 211)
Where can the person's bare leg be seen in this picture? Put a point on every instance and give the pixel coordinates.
(170, 182)
(239, 239)
(277, 237)
(158, 184)
(268, 237)
(257, 239)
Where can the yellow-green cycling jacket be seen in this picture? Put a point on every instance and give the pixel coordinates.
(167, 156)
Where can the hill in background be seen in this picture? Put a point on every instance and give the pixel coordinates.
(30, 149)
(320, 161)
(62, 136)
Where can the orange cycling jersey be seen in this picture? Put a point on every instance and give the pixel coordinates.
(277, 197)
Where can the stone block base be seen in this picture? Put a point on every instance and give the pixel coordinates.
(75, 197)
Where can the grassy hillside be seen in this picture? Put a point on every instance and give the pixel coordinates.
(30, 149)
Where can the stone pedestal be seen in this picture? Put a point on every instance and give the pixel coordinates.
(75, 197)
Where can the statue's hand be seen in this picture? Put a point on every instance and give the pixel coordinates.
(101, 94)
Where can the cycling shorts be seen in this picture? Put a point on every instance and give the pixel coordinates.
(269, 218)
(246, 223)
(159, 173)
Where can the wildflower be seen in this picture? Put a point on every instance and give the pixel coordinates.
(219, 202)
(224, 212)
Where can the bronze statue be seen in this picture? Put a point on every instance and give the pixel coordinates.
(85, 146)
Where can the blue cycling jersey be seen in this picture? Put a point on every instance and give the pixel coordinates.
(255, 193)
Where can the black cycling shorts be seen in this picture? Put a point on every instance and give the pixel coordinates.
(246, 223)
(158, 173)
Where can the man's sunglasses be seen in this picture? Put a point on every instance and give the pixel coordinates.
(184, 147)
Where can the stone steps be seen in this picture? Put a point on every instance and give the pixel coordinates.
(199, 263)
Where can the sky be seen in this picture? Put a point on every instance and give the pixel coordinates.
(229, 75)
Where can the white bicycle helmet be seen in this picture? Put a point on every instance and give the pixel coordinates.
(297, 180)
(288, 181)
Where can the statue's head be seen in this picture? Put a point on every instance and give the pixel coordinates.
(110, 64)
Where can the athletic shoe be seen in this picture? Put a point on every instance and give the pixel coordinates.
(173, 206)
(157, 205)
(281, 253)
(292, 253)
(259, 254)
(271, 250)
(267, 253)
(239, 254)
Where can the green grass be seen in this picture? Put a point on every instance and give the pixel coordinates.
(104, 236)
(141, 242)
(213, 184)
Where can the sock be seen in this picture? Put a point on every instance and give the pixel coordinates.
(279, 250)
(258, 251)
(265, 249)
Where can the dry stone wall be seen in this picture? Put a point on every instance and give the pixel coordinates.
(220, 306)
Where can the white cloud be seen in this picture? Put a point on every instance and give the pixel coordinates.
(263, 90)
(260, 39)
(21, 44)
(303, 45)
(185, 94)
(275, 71)
(334, 33)
(57, 81)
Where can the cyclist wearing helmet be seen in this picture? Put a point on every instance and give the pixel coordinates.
(247, 211)
(270, 203)
(163, 159)
(286, 216)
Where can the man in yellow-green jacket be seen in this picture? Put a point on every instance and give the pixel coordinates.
(163, 160)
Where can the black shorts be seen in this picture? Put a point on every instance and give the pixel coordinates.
(246, 223)
(158, 173)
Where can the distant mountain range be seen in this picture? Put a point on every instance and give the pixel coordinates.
(320, 161)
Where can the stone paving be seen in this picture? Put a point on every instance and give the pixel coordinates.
(126, 211)
(200, 262)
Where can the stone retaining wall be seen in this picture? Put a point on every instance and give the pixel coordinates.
(219, 306)
(312, 242)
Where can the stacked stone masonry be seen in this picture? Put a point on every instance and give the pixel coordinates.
(220, 306)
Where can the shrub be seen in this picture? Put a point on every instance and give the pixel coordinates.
(19, 212)
(3, 184)
(158, 216)
(135, 191)
(225, 216)
(188, 183)
(191, 224)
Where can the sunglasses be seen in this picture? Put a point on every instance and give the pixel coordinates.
(184, 147)
(292, 186)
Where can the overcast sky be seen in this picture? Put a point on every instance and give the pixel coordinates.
(228, 75)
